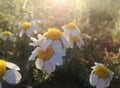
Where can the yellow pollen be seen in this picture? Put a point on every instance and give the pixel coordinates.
(26, 25)
(102, 71)
(53, 34)
(2, 67)
(72, 26)
(75, 38)
(45, 55)
(7, 33)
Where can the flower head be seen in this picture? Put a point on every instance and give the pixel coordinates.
(26, 25)
(11, 75)
(7, 35)
(47, 59)
(53, 34)
(72, 26)
(28, 28)
(71, 29)
(100, 76)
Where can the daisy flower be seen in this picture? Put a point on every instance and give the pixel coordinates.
(100, 76)
(55, 38)
(11, 75)
(71, 29)
(77, 40)
(7, 35)
(47, 59)
(28, 28)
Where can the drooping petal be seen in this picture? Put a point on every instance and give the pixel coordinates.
(39, 63)
(65, 42)
(34, 54)
(49, 66)
(29, 32)
(11, 37)
(46, 44)
(56, 59)
(78, 44)
(21, 33)
(4, 38)
(12, 76)
(57, 46)
(111, 75)
(93, 78)
(12, 66)
(107, 82)
(101, 83)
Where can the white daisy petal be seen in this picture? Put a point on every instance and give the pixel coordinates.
(46, 44)
(93, 78)
(99, 64)
(12, 76)
(39, 63)
(57, 46)
(11, 37)
(12, 66)
(21, 33)
(29, 32)
(78, 44)
(39, 36)
(111, 75)
(0, 85)
(56, 59)
(65, 42)
(4, 38)
(49, 66)
(33, 39)
(107, 82)
(101, 83)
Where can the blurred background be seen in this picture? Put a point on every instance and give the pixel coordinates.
(100, 19)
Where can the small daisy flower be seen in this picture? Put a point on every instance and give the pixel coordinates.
(28, 28)
(100, 76)
(7, 35)
(77, 40)
(71, 29)
(47, 59)
(11, 75)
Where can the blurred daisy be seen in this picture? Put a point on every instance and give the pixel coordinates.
(71, 29)
(28, 28)
(55, 38)
(100, 76)
(77, 40)
(11, 75)
(7, 35)
(48, 58)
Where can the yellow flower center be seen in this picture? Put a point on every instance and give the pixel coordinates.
(53, 34)
(2, 67)
(26, 25)
(72, 26)
(102, 71)
(7, 33)
(45, 55)
(75, 38)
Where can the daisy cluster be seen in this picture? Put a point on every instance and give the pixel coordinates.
(51, 46)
